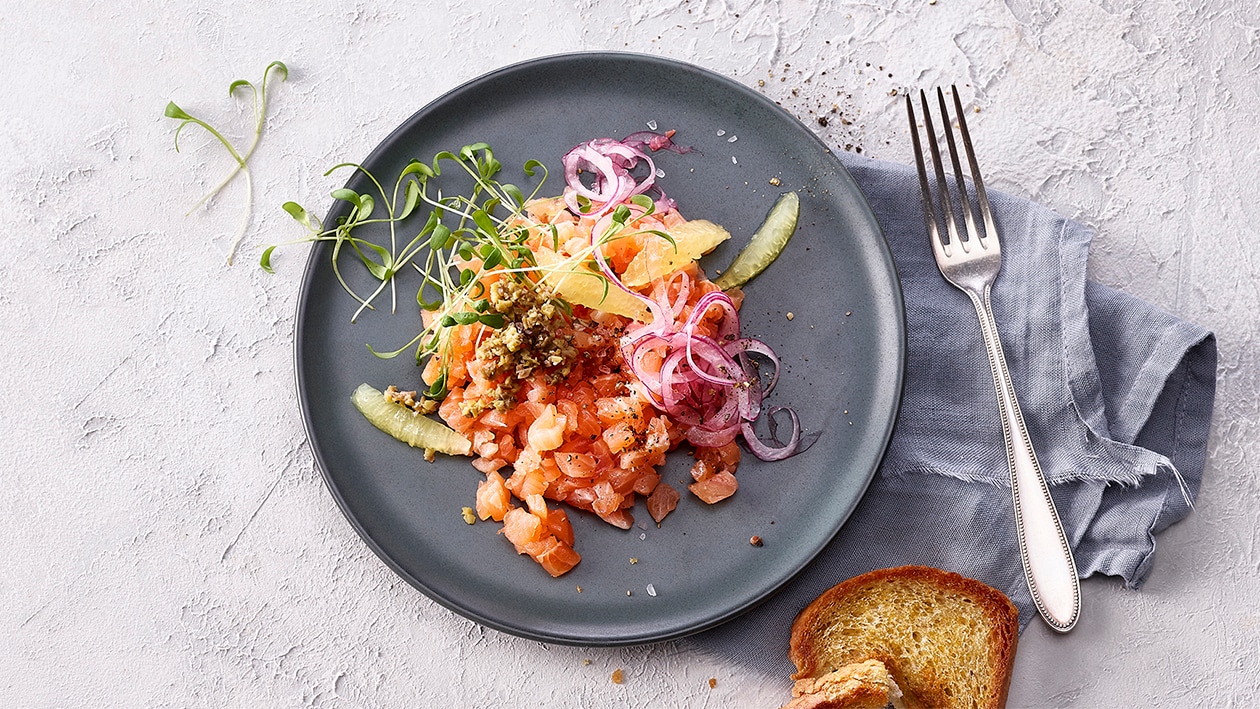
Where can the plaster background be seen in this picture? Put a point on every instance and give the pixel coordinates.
(169, 542)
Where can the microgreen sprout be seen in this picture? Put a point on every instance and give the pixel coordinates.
(452, 248)
(259, 96)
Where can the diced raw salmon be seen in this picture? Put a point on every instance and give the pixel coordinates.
(520, 527)
(493, 498)
(556, 557)
(547, 431)
(716, 487)
(662, 501)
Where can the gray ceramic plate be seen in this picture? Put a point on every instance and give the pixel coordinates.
(843, 355)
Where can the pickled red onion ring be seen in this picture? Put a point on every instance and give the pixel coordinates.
(656, 141)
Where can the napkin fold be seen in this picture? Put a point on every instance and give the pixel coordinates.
(1117, 395)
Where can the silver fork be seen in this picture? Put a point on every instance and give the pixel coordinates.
(972, 264)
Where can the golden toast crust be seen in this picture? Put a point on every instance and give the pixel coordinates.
(948, 641)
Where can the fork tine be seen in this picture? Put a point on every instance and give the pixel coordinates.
(981, 196)
(929, 213)
(947, 208)
(968, 215)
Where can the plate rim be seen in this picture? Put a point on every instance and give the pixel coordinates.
(313, 260)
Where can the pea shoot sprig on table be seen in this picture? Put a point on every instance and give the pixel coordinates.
(259, 96)
(462, 238)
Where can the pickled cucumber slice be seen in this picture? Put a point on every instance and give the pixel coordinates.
(765, 245)
(406, 425)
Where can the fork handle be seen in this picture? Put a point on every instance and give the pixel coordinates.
(1044, 549)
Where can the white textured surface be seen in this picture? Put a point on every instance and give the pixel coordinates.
(168, 542)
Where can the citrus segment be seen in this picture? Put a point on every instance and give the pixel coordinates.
(406, 425)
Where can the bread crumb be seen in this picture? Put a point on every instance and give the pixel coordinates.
(756, 541)
(712, 682)
(586, 661)
(791, 316)
(634, 560)
(775, 181)
(618, 676)
(468, 515)
(579, 588)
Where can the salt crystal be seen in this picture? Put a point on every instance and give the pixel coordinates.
(651, 590)
(660, 172)
(732, 139)
(642, 535)
(734, 161)
(721, 132)
(651, 125)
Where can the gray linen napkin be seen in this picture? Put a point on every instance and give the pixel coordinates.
(1117, 395)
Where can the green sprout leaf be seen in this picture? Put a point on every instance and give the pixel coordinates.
(493, 320)
(173, 111)
(265, 260)
(348, 195)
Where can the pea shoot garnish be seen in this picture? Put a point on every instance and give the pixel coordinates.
(259, 96)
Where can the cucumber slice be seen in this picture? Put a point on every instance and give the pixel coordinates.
(765, 245)
(407, 425)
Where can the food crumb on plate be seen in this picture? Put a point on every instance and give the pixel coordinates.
(756, 541)
(775, 181)
(468, 515)
(618, 676)
(634, 560)
(712, 682)
(791, 315)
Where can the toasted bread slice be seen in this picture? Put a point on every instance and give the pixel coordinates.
(862, 685)
(948, 641)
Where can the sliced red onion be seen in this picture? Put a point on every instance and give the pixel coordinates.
(766, 452)
(611, 162)
(739, 349)
(656, 141)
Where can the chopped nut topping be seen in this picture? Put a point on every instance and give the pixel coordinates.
(408, 399)
(529, 341)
